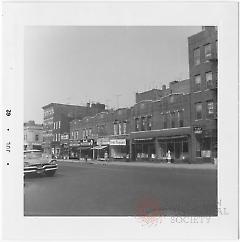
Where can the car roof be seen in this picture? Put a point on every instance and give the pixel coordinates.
(28, 151)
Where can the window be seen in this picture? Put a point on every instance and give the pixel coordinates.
(124, 127)
(209, 80)
(207, 50)
(196, 56)
(86, 132)
(36, 137)
(165, 121)
(72, 135)
(137, 124)
(59, 137)
(149, 123)
(210, 109)
(216, 46)
(90, 132)
(181, 122)
(115, 128)
(119, 128)
(198, 108)
(59, 124)
(25, 137)
(172, 115)
(171, 99)
(54, 125)
(197, 83)
(143, 123)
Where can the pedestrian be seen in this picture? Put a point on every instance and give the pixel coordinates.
(169, 158)
(106, 156)
(86, 157)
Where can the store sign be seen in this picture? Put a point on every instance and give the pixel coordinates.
(206, 153)
(118, 142)
(86, 142)
(103, 141)
(197, 130)
(64, 136)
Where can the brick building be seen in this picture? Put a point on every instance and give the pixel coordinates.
(159, 126)
(203, 70)
(105, 132)
(56, 123)
(33, 135)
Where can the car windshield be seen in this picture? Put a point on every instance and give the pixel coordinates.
(33, 155)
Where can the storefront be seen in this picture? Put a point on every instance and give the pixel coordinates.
(143, 149)
(119, 149)
(206, 144)
(85, 149)
(101, 149)
(154, 145)
(177, 145)
(74, 146)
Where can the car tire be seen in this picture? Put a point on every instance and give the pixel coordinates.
(50, 173)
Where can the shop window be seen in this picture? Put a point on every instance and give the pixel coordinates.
(210, 109)
(209, 80)
(196, 56)
(185, 147)
(207, 50)
(198, 110)
(181, 121)
(198, 149)
(197, 82)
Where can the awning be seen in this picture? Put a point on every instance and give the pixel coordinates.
(173, 137)
(98, 147)
(84, 148)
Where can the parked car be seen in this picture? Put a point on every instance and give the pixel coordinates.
(35, 162)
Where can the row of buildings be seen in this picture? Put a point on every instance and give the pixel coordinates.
(180, 118)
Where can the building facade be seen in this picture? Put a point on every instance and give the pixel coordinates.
(56, 125)
(33, 136)
(203, 68)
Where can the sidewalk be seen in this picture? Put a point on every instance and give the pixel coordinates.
(146, 164)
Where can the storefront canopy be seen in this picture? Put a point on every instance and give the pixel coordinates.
(98, 147)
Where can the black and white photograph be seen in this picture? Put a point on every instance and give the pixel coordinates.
(123, 118)
(120, 115)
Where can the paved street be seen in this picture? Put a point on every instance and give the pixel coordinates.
(120, 190)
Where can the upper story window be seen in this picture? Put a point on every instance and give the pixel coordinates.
(124, 127)
(119, 128)
(197, 82)
(59, 137)
(207, 50)
(165, 121)
(115, 128)
(196, 56)
(137, 124)
(209, 79)
(149, 123)
(210, 109)
(198, 111)
(171, 99)
(90, 132)
(143, 123)
(180, 117)
(25, 136)
(54, 125)
(59, 124)
(36, 137)
(173, 120)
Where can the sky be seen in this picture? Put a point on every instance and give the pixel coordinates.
(75, 65)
